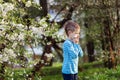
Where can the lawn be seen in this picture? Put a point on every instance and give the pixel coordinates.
(89, 71)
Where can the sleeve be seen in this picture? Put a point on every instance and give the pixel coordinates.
(80, 51)
(68, 48)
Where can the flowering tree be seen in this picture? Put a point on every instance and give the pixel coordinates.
(21, 25)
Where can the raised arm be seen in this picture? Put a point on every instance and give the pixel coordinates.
(80, 51)
(68, 48)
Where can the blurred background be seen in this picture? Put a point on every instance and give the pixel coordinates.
(32, 34)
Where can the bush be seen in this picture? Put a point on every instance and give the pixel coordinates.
(16, 74)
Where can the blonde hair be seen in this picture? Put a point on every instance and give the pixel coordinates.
(71, 26)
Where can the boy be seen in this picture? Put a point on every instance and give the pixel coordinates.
(71, 51)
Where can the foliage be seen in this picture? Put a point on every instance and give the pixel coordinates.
(100, 74)
(20, 26)
(14, 32)
(89, 72)
(11, 74)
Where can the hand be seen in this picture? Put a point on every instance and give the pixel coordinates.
(74, 37)
(75, 40)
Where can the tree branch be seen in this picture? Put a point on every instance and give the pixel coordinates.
(44, 6)
(59, 12)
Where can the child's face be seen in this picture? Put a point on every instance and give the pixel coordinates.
(74, 36)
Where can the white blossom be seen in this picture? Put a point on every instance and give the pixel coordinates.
(43, 23)
(14, 45)
(9, 53)
(5, 57)
(49, 55)
(2, 21)
(38, 31)
(28, 4)
(20, 25)
(6, 7)
(21, 36)
(8, 36)
(13, 36)
(0, 56)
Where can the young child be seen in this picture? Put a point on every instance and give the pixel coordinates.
(71, 51)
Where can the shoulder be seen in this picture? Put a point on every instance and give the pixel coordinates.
(67, 42)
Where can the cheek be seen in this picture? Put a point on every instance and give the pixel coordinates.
(77, 38)
(76, 35)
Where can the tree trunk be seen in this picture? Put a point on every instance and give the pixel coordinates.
(90, 45)
(33, 52)
(90, 50)
(41, 63)
(109, 45)
(43, 4)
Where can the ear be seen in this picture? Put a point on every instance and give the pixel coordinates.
(69, 32)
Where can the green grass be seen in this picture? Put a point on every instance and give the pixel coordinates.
(90, 71)
(53, 77)
(52, 73)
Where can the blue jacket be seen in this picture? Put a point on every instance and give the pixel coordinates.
(71, 53)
